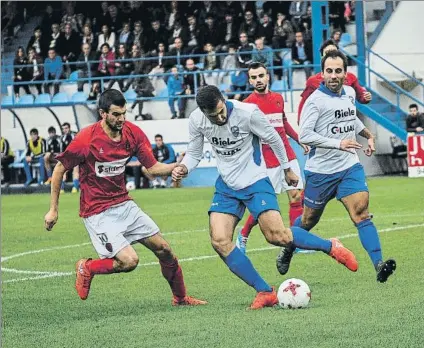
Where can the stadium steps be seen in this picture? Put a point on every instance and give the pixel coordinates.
(385, 114)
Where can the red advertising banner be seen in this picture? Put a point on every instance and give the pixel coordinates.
(416, 156)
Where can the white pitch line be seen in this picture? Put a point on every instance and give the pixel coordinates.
(205, 257)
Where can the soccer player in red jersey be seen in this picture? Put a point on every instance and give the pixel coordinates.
(272, 105)
(362, 95)
(111, 217)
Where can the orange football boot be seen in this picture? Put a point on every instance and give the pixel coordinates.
(83, 279)
(187, 301)
(343, 255)
(264, 299)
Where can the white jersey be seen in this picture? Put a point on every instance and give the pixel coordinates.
(327, 119)
(236, 144)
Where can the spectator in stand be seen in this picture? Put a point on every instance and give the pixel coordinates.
(302, 53)
(244, 50)
(88, 37)
(349, 13)
(266, 29)
(272, 8)
(53, 70)
(211, 33)
(20, 71)
(336, 11)
(208, 8)
(262, 54)
(144, 89)
(336, 35)
(172, 15)
(175, 85)
(38, 42)
(116, 19)
(49, 18)
(54, 38)
(177, 52)
(69, 17)
(247, 6)
(163, 153)
(298, 9)
(126, 37)
(178, 31)
(140, 66)
(250, 26)
(36, 71)
(7, 158)
(193, 80)
(230, 31)
(210, 63)
(106, 62)
(80, 24)
(283, 32)
(69, 45)
(194, 34)
(307, 25)
(106, 37)
(233, 8)
(156, 35)
(415, 120)
(229, 63)
(86, 66)
(123, 66)
(104, 17)
(36, 148)
(140, 38)
(160, 63)
(54, 147)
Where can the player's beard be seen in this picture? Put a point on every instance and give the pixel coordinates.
(117, 127)
(334, 85)
(260, 89)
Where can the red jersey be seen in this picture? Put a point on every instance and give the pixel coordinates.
(314, 81)
(272, 105)
(102, 163)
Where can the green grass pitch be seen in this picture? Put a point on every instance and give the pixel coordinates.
(40, 307)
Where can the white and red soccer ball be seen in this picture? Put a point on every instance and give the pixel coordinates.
(294, 293)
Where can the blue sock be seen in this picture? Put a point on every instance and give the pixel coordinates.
(62, 186)
(76, 184)
(241, 266)
(370, 241)
(306, 240)
(298, 221)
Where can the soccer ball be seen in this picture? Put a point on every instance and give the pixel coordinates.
(294, 293)
(130, 185)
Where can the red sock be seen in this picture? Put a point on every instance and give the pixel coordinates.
(250, 223)
(101, 266)
(174, 275)
(296, 210)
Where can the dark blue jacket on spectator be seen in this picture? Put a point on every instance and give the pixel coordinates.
(175, 85)
(53, 67)
(239, 78)
(168, 153)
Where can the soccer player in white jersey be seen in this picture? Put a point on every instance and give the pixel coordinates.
(234, 130)
(329, 125)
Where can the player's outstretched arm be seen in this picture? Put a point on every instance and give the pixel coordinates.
(51, 217)
(161, 169)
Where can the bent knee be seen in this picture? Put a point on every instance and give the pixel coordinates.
(278, 236)
(129, 263)
(222, 246)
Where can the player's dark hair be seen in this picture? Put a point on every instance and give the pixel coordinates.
(413, 106)
(111, 97)
(334, 55)
(256, 65)
(159, 136)
(208, 97)
(33, 131)
(66, 124)
(51, 130)
(327, 43)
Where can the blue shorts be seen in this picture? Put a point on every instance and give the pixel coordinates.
(258, 197)
(321, 188)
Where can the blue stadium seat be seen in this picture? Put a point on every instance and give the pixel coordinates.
(60, 98)
(79, 97)
(7, 100)
(130, 95)
(345, 39)
(223, 87)
(43, 99)
(163, 93)
(200, 65)
(279, 85)
(74, 76)
(26, 99)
